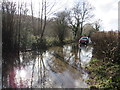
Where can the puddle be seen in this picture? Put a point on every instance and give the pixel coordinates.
(58, 67)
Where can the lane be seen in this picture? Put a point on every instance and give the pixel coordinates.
(48, 69)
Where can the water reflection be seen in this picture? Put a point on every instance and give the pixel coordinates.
(58, 67)
(85, 54)
(8, 66)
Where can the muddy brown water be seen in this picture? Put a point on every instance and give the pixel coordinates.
(57, 67)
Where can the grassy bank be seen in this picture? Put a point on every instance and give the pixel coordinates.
(103, 74)
(104, 68)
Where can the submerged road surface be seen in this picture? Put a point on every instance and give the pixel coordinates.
(58, 67)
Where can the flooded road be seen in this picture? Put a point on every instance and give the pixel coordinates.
(58, 67)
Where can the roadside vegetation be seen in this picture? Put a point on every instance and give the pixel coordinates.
(104, 68)
(22, 31)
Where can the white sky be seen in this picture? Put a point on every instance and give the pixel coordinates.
(106, 10)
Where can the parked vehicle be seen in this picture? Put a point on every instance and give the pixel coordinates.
(84, 40)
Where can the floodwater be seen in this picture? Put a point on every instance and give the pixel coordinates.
(57, 67)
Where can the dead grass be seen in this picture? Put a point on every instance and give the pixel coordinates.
(105, 45)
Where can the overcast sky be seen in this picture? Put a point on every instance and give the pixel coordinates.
(106, 10)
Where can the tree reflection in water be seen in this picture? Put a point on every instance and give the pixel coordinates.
(39, 65)
(56, 67)
(85, 55)
(9, 62)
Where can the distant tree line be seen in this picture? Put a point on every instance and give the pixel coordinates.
(21, 30)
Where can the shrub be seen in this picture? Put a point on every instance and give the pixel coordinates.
(105, 70)
(105, 45)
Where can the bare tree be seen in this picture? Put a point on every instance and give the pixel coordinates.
(43, 12)
(97, 24)
(14, 25)
(43, 18)
(61, 25)
(8, 22)
(80, 13)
